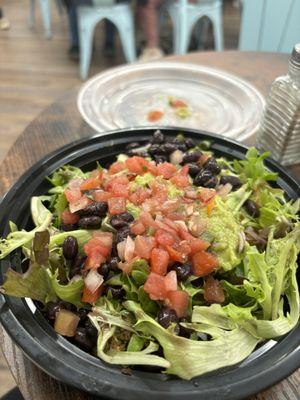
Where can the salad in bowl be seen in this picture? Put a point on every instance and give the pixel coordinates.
(169, 257)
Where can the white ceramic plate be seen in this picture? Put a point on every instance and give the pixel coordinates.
(217, 101)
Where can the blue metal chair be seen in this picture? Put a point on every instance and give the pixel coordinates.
(184, 17)
(89, 16)
(270, 25)
(45, 6)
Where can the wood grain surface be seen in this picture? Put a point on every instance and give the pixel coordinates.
(60, 124)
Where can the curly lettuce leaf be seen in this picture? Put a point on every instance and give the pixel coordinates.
(189, 358)
(35, 283)
(70, 292)
(252, 169)
(42, 218)
(63, 175)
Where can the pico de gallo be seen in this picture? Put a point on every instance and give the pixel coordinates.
(170, 256)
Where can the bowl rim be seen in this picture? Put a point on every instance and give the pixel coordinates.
(21, 324)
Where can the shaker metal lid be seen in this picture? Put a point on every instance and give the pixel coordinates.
(295, 57)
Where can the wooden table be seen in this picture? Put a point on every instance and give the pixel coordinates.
(60, 124)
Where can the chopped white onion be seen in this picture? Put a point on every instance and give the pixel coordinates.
(93, 280)
(129, 249)
(176, 157)
(121, 249)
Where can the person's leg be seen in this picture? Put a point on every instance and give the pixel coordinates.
(148, 19)
(71, 6)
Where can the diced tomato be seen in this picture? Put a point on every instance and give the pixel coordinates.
(144, 246)
(75, 183)
(177, 103)
(116, 205)
(137, 165)
(164, 238)
(94, 259)
(116, 167)
(118, 186)
(178, 300)
(91, 297)
(176, 255)
(121, 180)
(100, 195)
(206, 195)
(139, 196)
(137, 228)
(69, 218)
(184, 170)
(73, 195)
(159, 191)
(90, 183)
(171, 281)
(155, 286)
(147, 220)
(183, 248)
(106, 238)
(195, 244)
(213, 291)
(167, 170)
(204, 263)
(80, 204)
(181, 181)
(154, 115)
(159, 261)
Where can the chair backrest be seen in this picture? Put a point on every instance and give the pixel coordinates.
(100, 3)
(270, 25)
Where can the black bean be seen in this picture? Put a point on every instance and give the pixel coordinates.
(169, 147)
(52, 309)
(99, 208)
(77, 266)
(176, 329)
(122, 234)
(91, 330)
(194, 169)
(233, 180)
(203, 177)
(191, 157)
(117, 292)
(70, 247)
(157, 150)
(82, 313)
(166, 316)
(113, 264)
(198, 282)
(121, 220)
(143, 154)
(212, 165)
(104, 270)
(117, 222)
(90, 222)
(212, 183)
(185, 332)
(252, 208)
(190, 143)
(68, 227)
(158, 137)
(160, 159)
(82, 340)
(132, 145)
(183, 271)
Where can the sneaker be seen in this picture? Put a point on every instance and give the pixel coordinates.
(149, 54)
(74, 53)
(4, 24)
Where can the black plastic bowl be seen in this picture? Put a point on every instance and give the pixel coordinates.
(67, 363)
